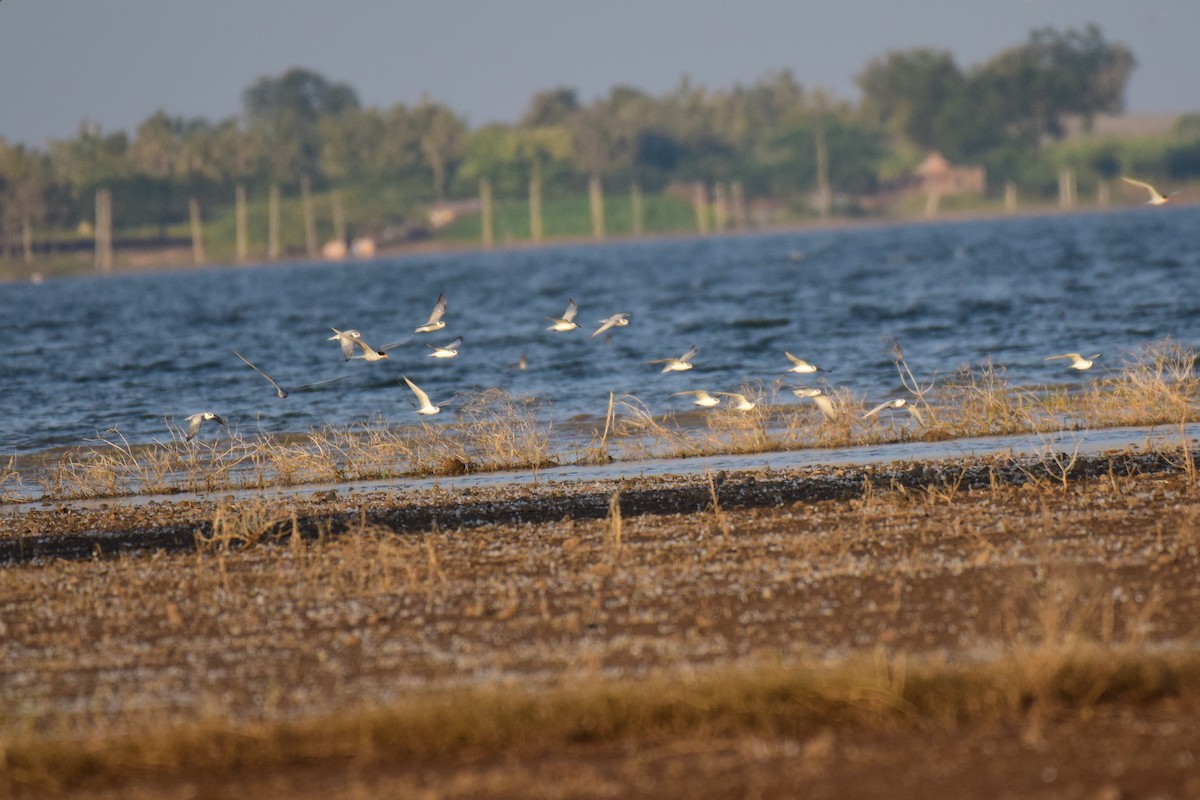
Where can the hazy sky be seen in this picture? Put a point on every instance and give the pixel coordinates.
(116, 62)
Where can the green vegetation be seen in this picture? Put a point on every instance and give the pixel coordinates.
(773, 151)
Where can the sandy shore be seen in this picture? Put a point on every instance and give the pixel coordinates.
(980, 628)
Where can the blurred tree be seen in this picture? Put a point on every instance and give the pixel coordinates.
(287, 109)
(441, 140)
(1058, 74)
(908, 91)
(24, 181)
(550, 107)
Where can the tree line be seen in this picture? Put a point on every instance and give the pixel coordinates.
(774, 139)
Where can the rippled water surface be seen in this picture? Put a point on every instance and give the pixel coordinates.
(83, 355)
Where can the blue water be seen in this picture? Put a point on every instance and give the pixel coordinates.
(79, 356)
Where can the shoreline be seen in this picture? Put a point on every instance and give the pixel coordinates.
(176, 260)
(794, 625)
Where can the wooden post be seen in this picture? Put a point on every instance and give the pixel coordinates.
(240, 243)
(596, 203)
(824, 193)
(933, 199)
(1066, 188)
(1010, 197)
(535, 206)
(637, 209)
(27, 238)
(197, 231)
(310, 220)
(103, 233)
(720, 208)
(339, 217)
(700, 204)
(738, 199)
(273, 246)
(486, 221)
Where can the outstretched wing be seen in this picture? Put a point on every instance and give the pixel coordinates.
(279, 390)
(320, 383)
(439, 310)
(394, 345)
(422, 398)
(572, 310)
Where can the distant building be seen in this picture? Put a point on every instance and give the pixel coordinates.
(936, 175)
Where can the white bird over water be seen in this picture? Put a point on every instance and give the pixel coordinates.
(1077, 361)
(423, 404)
(346, 339)
(615, 321)
(899, 402)
(567, 321)
(684, 362)
(1157, 198)
(820, 400)
(434, 323)
(280, 392)
(196, 420)
(446, 350)
(741, 402)
(801, 366)
(703, 398)
(348, 342)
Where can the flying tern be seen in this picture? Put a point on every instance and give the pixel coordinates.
(346, 339)
(196, 420)
(819, 398)
(446, 350)
(349, 341)
(1157, 198)
(423, 404)
(684, 362)
(615, 321)
(801, 366)
(1077, 361)
(703, 398)
(434, 323)
(899, 402)
(567, 321)
(741, 402)
(280, 392)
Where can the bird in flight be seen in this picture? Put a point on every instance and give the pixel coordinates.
(684, 362)
(819, 398)
(1077, 361)
(741, 402)
(801, 366)
(349, 341)
(196, 420)
(280, 392)
(423, 405)
(346, 339)
(899, 402)
(615, 321)
(1157, 198)
(446, 350)
(703, 398)
(434, 323)
(567, 321)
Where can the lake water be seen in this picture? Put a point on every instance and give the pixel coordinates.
(82, 355)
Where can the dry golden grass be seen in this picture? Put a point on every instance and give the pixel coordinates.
(493, 430)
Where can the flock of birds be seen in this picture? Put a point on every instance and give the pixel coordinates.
(351, 342)
(354, 347)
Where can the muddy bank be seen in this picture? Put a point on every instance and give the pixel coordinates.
(69, 530)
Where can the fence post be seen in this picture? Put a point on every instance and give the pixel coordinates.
(197, 231)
